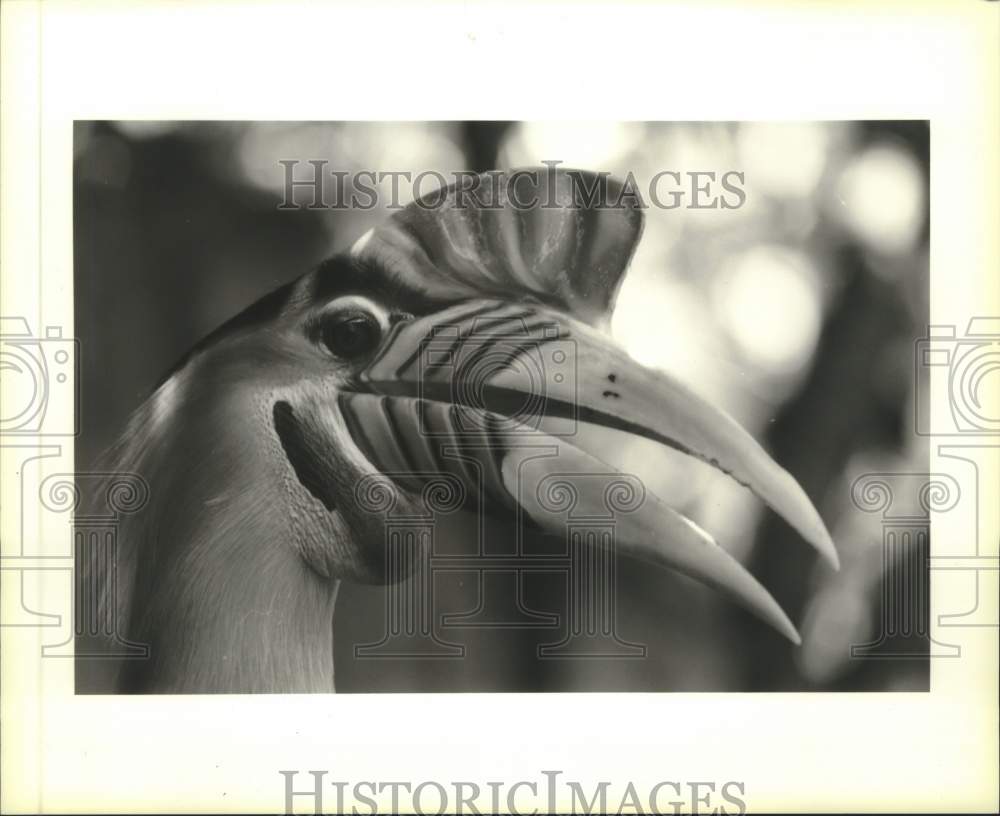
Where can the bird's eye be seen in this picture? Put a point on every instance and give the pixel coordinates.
(351, 334)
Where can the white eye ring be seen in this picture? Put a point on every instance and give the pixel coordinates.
(350, 327)
(357, 303)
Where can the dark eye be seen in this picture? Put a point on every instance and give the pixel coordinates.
(351, 334)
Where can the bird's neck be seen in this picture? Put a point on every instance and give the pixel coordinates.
(216, 580)
(222, 617)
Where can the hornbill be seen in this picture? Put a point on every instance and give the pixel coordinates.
(254, 446)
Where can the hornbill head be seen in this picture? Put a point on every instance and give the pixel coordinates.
(455, 338)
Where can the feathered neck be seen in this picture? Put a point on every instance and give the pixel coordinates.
(210, 579)
(221, 617)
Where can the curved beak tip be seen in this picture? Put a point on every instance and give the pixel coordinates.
(833, 558)
(823, 542)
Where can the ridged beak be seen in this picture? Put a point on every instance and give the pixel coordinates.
(494, 380)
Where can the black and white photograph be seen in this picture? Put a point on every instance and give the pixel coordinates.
(425, 406)
(435, 406)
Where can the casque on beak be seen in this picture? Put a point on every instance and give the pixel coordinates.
(476, 388)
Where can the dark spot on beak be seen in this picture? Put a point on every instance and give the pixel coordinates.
(614, 394)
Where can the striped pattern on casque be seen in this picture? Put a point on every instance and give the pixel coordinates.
(570, 251)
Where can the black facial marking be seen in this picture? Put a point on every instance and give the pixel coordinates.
(304, 448)
(343, 275)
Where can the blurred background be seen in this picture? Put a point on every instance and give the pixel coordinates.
(177, 228)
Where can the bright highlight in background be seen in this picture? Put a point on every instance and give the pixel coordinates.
(768, 300)
(882, 198)
(784, 158)
(591, 145)
(658, 320)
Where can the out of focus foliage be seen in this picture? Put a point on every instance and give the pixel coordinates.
(796, 312)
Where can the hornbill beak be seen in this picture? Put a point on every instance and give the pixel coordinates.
(477, 388)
